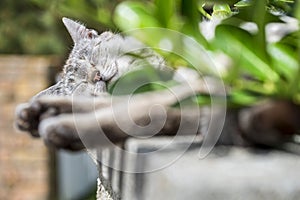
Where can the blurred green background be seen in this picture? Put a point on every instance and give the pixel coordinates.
(258, 68)
(35, 27)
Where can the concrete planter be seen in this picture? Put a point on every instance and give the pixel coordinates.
(176, 171)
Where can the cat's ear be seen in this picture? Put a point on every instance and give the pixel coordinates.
(77, 30)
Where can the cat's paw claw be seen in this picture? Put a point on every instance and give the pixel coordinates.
(28, 116)
(23, 115)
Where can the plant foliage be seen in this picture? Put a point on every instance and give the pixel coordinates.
(258, 68)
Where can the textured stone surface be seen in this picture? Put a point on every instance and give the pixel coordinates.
(226, 173)
(109, 180)
(237, 174)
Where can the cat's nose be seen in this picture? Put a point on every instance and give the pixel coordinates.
(96, 76)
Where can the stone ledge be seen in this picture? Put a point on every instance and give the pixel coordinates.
(226, 173)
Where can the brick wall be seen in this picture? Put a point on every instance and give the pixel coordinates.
(23, 160)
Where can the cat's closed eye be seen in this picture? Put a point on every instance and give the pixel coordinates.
(94, 57)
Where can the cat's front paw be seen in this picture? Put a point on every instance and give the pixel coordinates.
(29, 115)
(27, 118)
(60, 132)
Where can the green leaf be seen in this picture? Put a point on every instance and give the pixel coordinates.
(165, 10)
(238, 44)
(131, 15)
(229, 2)
(243, 3)
(144, 79)
(249, 13)
(242, 98)
(284, 60)
(255, 87)
(221, 11)
(291, 39)
(189, 10)
(202, 100)
(286, 1)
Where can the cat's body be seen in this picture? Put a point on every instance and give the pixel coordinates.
(95, 61)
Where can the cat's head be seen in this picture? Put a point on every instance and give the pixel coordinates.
(101, 58)
(94, 54)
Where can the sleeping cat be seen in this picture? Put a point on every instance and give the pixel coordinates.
(95, 61)
(78, 109)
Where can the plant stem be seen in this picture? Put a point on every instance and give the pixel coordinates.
(295, 83)
(259, 7)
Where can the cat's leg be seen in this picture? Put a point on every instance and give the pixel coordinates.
(113, 112)
(60, 132)
(29, 115)
(270, 123)
(141, 115)
(103, 128)
(72, 131)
